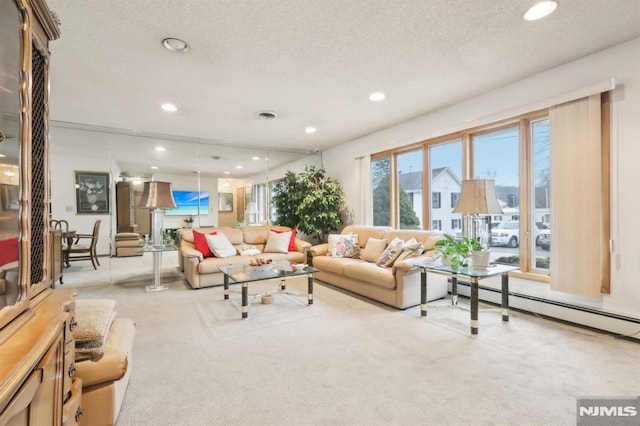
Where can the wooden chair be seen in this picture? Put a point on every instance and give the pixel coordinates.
(61, 225)
(78, 251)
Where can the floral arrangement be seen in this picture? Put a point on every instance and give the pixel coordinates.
(91, 187)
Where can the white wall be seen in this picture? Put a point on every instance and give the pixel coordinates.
(622, 63)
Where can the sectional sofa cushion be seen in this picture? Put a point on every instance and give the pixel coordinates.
(374, 248)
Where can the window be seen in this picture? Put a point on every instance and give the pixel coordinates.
(534, 191)
(409, 199)
(435, 200)
(381, 187)
(455, 196)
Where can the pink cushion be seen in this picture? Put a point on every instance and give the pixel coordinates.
(200, 243)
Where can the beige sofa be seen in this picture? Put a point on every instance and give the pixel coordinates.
(397, 286)
(203, 272)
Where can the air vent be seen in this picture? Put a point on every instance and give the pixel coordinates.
(267, 115)
(216, 157)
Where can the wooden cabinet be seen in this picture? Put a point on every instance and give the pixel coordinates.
(126, 207)
(36, 343)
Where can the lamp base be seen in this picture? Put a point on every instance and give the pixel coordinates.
(156, 288)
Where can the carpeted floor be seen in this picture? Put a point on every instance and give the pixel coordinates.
(350, 361)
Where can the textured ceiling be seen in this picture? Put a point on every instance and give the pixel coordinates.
(313, 61)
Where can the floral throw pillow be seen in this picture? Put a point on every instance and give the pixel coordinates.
(344, 246)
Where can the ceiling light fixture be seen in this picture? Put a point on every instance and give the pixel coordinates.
(2, 155)
(238, 166)
(169, 107)
(154, 167)
(175, 45)
(540, 10)
(255, 158)
(227, 173)
(160, 148)
(310, 129)
(376, 96)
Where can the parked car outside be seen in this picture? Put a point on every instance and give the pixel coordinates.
(544, 239)
(508, 233)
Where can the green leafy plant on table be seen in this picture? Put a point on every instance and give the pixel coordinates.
(457, 253)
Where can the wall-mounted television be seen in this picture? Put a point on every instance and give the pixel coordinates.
(187, 202)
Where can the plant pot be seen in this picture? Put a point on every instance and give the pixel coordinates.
(480, 259)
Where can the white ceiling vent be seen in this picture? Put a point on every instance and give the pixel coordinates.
(267, 115)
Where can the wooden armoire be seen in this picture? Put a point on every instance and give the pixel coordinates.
(37, 383)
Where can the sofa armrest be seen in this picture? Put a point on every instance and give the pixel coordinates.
(302, 246)
(402, 265)
(191, 252)
(319, 250)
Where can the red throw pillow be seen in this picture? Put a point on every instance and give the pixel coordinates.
(8, 250)
(200, 243)
(292, 241)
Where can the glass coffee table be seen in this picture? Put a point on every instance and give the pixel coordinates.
(474, 275)
(246, 274)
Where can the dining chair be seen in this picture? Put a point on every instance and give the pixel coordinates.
(77, 251)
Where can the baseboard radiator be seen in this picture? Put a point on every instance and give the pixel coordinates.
(579, 315)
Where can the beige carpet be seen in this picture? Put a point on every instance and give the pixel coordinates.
(348, 361)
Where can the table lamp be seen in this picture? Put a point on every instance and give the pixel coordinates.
(478, 197)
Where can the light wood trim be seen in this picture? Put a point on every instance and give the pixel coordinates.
(531, 276)
(23, 397)
(426, 187)
(606, 192)
(45, 19)
(524, 151)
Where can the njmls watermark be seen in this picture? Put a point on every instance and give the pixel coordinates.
(610, 411)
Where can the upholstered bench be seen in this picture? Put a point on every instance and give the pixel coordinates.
(105, 370)
(128, 244)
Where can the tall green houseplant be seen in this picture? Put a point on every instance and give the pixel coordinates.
(309, 201)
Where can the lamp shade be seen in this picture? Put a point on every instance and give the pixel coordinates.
(252, 207)
(157, 195)
(478, 196)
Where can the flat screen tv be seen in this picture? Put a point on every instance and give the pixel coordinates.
(187, 202)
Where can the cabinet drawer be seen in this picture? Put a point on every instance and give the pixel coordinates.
(72, 409)
(69, 370)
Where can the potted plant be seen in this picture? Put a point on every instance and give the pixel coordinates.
(188, 221)
(458, 253)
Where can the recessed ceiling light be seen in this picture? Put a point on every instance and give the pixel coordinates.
(255, 158)
(175, 45)
(154, 167)
(160, 148)
(310, 129)
(2, 155)
(169, 107)
(227, 173)
(540, 10)
(238, 166)
(376, 96)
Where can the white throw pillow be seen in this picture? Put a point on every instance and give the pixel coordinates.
(247, 250)
(373, 249)
(278, 243)
(220, 245)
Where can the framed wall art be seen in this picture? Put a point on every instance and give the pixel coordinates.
(92, 192)
(225, 202)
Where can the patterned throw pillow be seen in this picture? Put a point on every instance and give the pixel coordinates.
(247, 250)
(412, 248)
(391, 253)
(344, 246)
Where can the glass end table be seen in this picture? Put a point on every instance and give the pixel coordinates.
(474, 275)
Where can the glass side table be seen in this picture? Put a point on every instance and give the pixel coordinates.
(157, 251)
(474, 275)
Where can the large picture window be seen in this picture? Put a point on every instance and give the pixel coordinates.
(517, 154)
